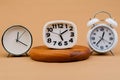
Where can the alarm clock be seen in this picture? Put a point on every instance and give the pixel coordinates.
(102, 37)
(60, 34)
(17, 40)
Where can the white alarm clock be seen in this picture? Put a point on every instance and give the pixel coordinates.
(102, 37)
(17, 40)
(60, 34)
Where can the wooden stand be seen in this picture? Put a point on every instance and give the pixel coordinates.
(42, 53)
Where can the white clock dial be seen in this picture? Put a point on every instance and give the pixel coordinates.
(60, 34)
(102, 38)
(17, 40)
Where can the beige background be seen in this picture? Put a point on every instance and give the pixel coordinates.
(34, 14)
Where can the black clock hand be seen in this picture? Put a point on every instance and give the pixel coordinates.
(100, 38)
(22, 43)
(17, 36)
(63, 32)
(103, 35)
(98, 41)
(61, 37)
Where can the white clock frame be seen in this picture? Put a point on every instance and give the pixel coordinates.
(60, 21)
(115, 39)
(11, 53)
(108, 23)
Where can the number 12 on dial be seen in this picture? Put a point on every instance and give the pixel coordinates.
(60, 34)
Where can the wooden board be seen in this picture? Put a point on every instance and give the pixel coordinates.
(42, 53)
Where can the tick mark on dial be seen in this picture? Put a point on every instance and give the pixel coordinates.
(94, 42)
(93, 38)
(109, 42)
(94, 33)
(111, 38)
(109, 33)
(102, 29)
(101, 47)
(106, 46)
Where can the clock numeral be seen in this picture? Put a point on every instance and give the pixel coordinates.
(111, 38)
(71, 40)
(106, 45)
(94, 33)
(60, 25)
(65, 43)
(109, 42)
(72, 34)
(49, 40)
(54, 42)
(94, 42)
(71, 28)
(93, 38)
(60, 43)
(50, 29)
(66, 25)
(97, 30)
(54, 26)
(109, 33)
(48, 34)
(101, 47)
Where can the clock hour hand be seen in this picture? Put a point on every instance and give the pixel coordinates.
(63, 32)
(103, 35)
(17, 36)
(22, 43)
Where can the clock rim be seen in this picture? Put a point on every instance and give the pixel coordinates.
(114, 43)
(13, 27)
(58, 21)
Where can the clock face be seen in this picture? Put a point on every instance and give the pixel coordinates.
(17, 40)
(102, 38)
(60, 34)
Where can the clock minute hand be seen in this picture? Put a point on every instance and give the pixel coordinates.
(22, 43)
(98, 41)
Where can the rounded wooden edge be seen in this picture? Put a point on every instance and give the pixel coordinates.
(42, 53)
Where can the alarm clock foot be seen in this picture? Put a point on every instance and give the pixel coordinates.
(111, 52)
(91, 52)
(26, 54)
(8, 55)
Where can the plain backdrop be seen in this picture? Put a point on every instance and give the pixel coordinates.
(34, 14)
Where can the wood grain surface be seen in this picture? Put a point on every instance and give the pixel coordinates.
(42, 53)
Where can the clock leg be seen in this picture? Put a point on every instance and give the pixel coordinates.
(92, 52)
(111, 52)
(26, 54)
(8, 55)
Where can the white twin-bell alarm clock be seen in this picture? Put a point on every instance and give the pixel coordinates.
(102, 37)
